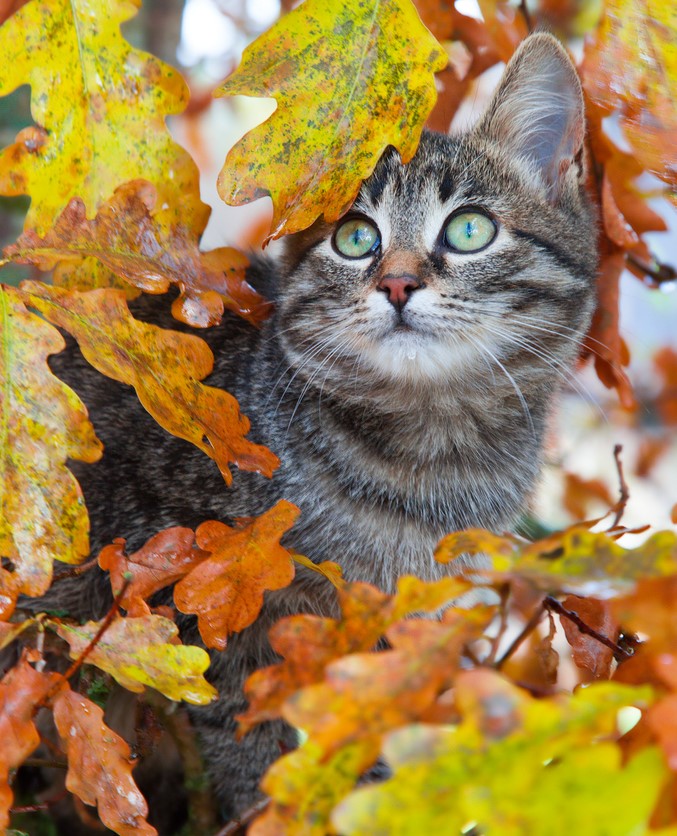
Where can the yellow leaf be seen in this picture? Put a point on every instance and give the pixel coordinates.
(137, 652)
(42, 424)
(164, 367)
(350, 79)
(100, 766)
(100, 109)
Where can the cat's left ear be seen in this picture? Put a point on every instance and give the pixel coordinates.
(537, 113)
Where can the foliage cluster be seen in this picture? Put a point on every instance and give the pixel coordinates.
(465, 709)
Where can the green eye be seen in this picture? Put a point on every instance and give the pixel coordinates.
(469, 232)
(356, 238)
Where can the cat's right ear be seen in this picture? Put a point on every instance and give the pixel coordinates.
(537, 113)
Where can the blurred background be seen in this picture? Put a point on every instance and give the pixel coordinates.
(205, 38)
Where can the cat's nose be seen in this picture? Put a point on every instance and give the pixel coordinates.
(399, 288)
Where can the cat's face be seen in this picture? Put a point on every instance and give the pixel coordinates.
(478, 253)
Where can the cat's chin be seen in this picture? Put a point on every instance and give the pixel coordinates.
(407, 355)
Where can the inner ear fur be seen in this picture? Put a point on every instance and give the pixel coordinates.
(537, 113)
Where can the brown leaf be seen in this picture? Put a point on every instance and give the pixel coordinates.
(548, 657)
(164, 367)
(587, 651)
(164, 559)
(650, 610)
(148, 252)
(225, 591)
(21, 690)
(665, 363)
(579, 493)
(100, 766)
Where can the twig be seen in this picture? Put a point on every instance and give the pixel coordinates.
(75, 571)
(624, 491)
(470, 653)
(657, 271)
(502, 624)
(45, 763)
(238, 825)
(529, 627)
(620, 654)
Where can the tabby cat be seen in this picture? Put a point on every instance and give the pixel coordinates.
(405, 380)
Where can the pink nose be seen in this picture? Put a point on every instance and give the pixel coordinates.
(399, 289)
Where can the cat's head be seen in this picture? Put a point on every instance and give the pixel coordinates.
(479, 255)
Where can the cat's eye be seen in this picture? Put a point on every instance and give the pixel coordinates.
(356, 238)
(469, 231)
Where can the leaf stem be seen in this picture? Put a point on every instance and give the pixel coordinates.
(624, 491)
(657, 271)
(529, 627)
(238, 825)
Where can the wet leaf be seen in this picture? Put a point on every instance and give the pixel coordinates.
(225, 591)
(330, 128)
(164, 367)
(164, 559)
(148, 254)
(100, 766)
(21, 690)
(100, 108)
(42, 424)
(144, 651)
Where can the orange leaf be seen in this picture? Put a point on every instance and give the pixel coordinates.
(21, 690)
(587, 651)
(225, 591)
(163, 366)
(579, 493)
(148, 253)
(665, 363)
(100, 766)
(161, 561)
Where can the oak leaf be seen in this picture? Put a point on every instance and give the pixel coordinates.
(21, 690)
(143, 651)
(42, 424)
(331, 126)
(149, 254)
(226, 589)
(162, 560)
(100, 107)
(164, 367)
(587, 651)
(100, 766)
(308, 643)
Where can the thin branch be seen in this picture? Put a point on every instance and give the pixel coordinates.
(528, 628)
(656, 271)
(75, 571)
(45, 763)
(620, 654)
(619, 507)
(239, 825)
(502, 624)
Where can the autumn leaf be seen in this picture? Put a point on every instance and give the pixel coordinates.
(21, 690)
(308, 643)
(447, 776)
(100, 108)
(162, 560)
(330, 127)
(587, 651)
(576, 559)
(141, 651)
(42, 424)
(148, 254)
(579, 493)
(225, 591)
(164, 367)
(100, 766)
(631, 65)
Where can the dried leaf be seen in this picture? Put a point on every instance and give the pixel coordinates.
(225, 591)
(100, 108)
(143, 651)
(100, 766)
(147, 253)
(579, 493)
(163, 366)
(164, 559)
(587, 651)
(330, 128)
(42, 424)
(21, 690)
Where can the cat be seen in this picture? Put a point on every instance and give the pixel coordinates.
(405, 379)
